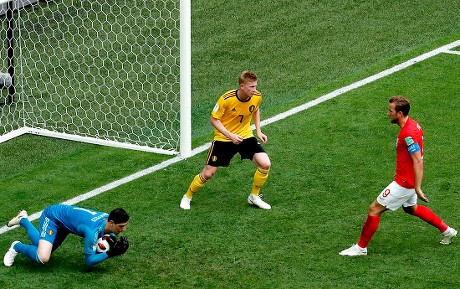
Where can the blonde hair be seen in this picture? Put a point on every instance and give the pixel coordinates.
(247, 76)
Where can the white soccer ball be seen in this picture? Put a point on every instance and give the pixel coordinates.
(102, 244)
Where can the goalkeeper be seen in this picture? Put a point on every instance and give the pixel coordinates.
(57, 221)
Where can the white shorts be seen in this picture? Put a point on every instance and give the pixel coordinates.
(394, 196)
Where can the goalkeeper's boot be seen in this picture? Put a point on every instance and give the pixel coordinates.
(15, 221)
(8, 259)
(354, 250)
(185, 202)
(448, 235)
(257, 201)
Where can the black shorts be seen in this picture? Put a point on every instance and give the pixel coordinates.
(221, 152)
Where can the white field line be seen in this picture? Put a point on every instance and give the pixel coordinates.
(340, 91)
(200, 149)
(452, 52)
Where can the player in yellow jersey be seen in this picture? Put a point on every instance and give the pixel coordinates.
(231, 118)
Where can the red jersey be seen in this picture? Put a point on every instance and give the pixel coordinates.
(410, 141)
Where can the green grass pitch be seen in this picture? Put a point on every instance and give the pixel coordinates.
(329, 162)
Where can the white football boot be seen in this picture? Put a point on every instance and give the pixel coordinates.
(15, 221)
(354, 250)
(448, 235)
(8, 259)
(256, 200)
(185, 202)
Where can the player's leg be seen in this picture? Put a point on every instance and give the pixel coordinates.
(196, 185)
(251, 149)
(41, 249)
(263, 164)
(36, 253)
(427, 215)
(22, 219)
(367, 232)
(10, 255)
(49, 230)
(41, 253)
(31, 231)
(44, 250)
(219, 154)
(372, 223)
(262, 161)
(391, 198)
(199, 180)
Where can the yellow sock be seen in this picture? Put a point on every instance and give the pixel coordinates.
(260, 177)
(197, 183)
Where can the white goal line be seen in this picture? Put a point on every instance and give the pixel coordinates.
(443, 49)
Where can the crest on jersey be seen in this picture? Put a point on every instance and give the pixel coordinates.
(251, 108)
(50, 232)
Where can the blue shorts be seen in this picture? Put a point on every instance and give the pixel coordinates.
(50, 231)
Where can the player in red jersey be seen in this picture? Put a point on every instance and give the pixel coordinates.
(406, 187)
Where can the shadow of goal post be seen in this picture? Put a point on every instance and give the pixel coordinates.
(114, 73)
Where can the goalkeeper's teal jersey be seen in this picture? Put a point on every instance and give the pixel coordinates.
(83, 222)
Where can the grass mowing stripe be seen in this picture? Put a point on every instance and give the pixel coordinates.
(340, 91)
(106, 188)
(335, 93)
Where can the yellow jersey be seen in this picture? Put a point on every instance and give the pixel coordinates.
(235, 114)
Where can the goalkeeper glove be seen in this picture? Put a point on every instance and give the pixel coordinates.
(111, 240)
(119, 248)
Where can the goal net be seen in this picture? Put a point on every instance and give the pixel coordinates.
(104, 72)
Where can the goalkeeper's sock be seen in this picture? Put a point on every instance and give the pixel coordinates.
(368, 231)
(31, 230)
(428, 216)
(197, 183)
(30, 251)
(260, 177)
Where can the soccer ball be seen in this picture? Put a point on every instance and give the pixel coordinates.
(102, 244)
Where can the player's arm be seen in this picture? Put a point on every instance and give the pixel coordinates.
(236, 139)
(256, 120)
(417, 160)
(91, 258)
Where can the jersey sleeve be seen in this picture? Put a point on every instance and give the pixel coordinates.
(412, 146)
(91, 257)
(219, 109)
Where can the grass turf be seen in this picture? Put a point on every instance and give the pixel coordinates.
(329, 163)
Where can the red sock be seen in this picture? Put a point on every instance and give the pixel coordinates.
(428, 216)
(369, 228)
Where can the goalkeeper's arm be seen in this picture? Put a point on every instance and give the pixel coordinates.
(93, 259)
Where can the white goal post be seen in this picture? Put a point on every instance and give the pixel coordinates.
(106, 72)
